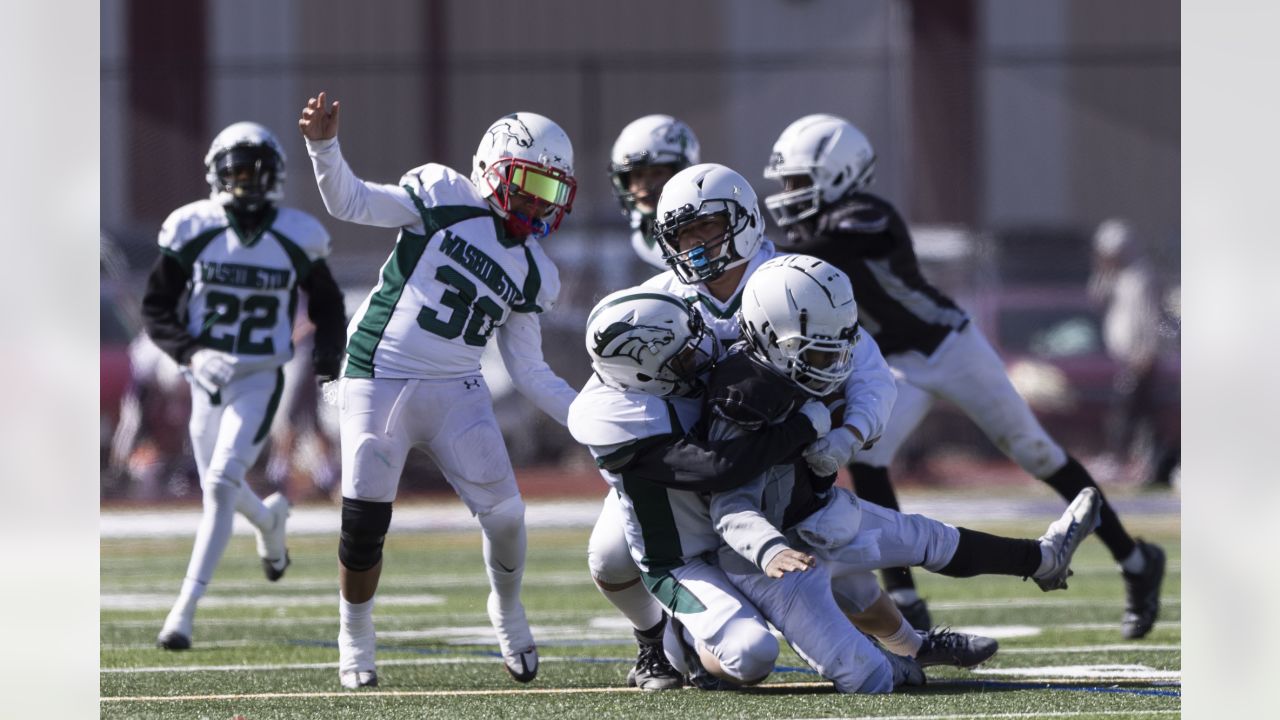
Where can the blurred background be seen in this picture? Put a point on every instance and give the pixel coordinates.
(1007, 133)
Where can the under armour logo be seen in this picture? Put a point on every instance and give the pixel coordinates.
(471, 384)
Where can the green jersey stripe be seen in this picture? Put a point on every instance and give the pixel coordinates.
(301, 263)
(657, 522)
(715, 311)
(668, 590)
(272, 406)
(191, 251)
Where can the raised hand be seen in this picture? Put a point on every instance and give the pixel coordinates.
(317, 121)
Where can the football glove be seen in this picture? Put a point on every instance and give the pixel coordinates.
(212, 369)
(828, 454)
(818, 415)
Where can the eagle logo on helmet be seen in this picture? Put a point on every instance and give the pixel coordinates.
(512, 127)
(624, 339)
(672, 134)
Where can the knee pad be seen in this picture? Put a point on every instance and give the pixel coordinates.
(227, 469)
(748, 651)
(364, 528)
(506, 516)
(1037, 453)
(608, 557)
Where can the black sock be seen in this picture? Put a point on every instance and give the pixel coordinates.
(979, 553)
(1068, 482)
(871, 483)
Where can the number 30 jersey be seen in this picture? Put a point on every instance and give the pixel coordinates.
(243, 287)
(451, 281)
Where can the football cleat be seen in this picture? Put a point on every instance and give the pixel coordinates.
(356, 679)
(173, 640)
(1065, 535)
(522, 666)
(1142, 593)
(942, 646)
(906, 671)
(698, 675)
(916, 613)
(652, 671)
(271, 548)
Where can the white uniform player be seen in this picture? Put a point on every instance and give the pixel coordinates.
(825, 164)
(466, 266)
(647, 350)
(647, 153)
(238, 260)
(709, 273)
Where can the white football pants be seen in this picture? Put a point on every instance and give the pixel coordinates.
(966, 370)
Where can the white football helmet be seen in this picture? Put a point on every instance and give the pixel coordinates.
(649, 340)
(650, 140)
(529, 154)
(708, 190)
(798, 315)
(832, 158)
(239, 147)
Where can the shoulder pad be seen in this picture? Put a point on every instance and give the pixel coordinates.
(189, 221)
(602, 415)
(667, 281)
(861, 215)
(304, 230)
(549, 291)
(750, 394)
(436, 184)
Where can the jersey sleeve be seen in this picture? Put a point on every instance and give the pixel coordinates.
(349, 198)
(520, 344)
(737, 513)
(870, 391)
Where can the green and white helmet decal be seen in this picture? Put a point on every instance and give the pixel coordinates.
(650, 341)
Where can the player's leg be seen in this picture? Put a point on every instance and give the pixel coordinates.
(977, 383)
(227, 430)
(618, 579)
(714, 633)
(374, 448)
(469, 449)
(801, 606)
(870, 472)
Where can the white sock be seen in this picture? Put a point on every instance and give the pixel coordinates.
(906, 641)
(636, 604)
(214, 531)
(1135, 563)
(505, 543)
(1046, 562)
(182, 615)
(356, 637)
(250, 505)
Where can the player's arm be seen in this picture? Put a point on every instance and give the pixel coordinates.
(869, 392)
(520, 343)
(165, 287)
(327, 310)
(691, 462)
(346, 196)
(864, 229)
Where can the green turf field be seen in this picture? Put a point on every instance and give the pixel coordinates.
(267, 650)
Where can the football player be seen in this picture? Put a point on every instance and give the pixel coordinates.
(824, 165)
(467, 265)
(649, 351)
(800, 324)
(219, 301)
(647, 153)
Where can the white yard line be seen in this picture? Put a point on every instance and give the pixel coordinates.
(1119, 647)
(1037, 714)
(161, 601)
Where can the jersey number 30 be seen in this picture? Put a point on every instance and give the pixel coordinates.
(468, 311)
(222, 309)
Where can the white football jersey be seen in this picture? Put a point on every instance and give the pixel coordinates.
(449, 283)
(243, 289)
(719, 316)
(663, 527)
(644, 244)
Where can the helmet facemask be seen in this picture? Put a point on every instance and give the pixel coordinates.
(818, 364)
(548, 194)
(693, 360)
(248, 174)
(709, 259)
(801, 202)
(620, 177)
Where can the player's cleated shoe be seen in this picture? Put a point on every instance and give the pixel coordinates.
(173, 640)
(1142, 593)
(271, 546)
(942, 646)
(915, 612)
(522, 666)
(1065, 535)
(906, 671)
(356, 679)
(698, 675)
(652, 671)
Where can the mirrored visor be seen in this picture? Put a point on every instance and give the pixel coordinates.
(544, 187)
